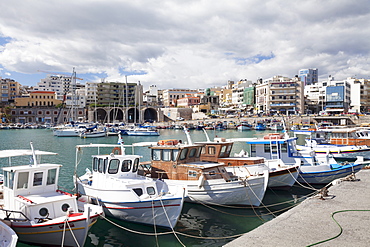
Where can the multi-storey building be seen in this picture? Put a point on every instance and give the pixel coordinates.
(170, 96)
(337, 96)
(308, 76)
(60, 84)
(188, 101)
(118, 94)
(238, 92)
(359, 95)
(38, 98)
(9, 90)
(280, 95)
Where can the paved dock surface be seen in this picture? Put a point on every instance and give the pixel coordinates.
(311, 222)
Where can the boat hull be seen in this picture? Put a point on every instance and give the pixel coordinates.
(247, 193)
(166, 209)
(52, 232)
(325, 177)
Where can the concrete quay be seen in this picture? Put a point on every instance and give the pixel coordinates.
(311, 222)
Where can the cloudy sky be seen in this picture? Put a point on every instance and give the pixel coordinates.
(183, 43)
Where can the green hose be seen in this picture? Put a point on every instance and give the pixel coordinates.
(341, 229)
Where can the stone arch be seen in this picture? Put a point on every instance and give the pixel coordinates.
(150, 115)
(100, 115)
(132, 115)
(116, 115)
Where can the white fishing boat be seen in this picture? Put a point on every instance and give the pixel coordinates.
(206, 182)
(115, 181)
(68, 132)
(281, 175)
(36, 209)
(93, 134)
(141, 131)
(335, 142)
(8, 237)
(314, 169)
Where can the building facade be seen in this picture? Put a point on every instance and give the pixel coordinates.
(281, 95)
(9, 90)
(308, 76)
(170, 96)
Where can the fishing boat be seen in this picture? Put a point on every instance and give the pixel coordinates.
(244, 126)
(8, 237)
(68, 132)
(125, 194)
(281, 175)
(95, 133)
(324, 142)
(260, 126)
(36, 209)
(141, 131)
(314, 169)
(179, 163)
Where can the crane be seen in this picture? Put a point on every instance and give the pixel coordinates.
(58, 73)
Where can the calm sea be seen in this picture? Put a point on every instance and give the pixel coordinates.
(203, 225)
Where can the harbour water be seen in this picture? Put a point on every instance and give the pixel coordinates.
(199, 225)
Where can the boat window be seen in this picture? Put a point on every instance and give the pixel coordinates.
(156, 154)
(192, 152)
(183, 153)
(166, 154)
(175, 153)
(126, 165)
(223, 152)
(150, 191)
(136, 165)
(22, 180)
(138, 191)
(200, 150)
(192, 174)
(52, 174)
(65, 207)
(284, 148)
(95, 164)
(105, 164)
(211, 150)
(43, 212)
(100, 165)
(8, 179)
(37, 178)
(267, 148)
(113, 166)
(212, 173)
(253, 150)
(229, 147)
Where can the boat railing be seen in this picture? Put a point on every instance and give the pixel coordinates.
(9, 213)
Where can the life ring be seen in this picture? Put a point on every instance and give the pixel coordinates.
(116, 149)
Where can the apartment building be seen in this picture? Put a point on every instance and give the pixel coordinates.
(280, 95)
(9, 90)
(308, 76)
(170, 96)
(115, 94)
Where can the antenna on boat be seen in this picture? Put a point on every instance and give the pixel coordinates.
(285, 131)
(205, 132)
(33, 155)
(188, 136)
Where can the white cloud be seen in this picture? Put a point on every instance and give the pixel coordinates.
(192, 44)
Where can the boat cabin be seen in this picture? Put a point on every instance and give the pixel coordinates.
(33, 190)
(219, 151)
(183, 162)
